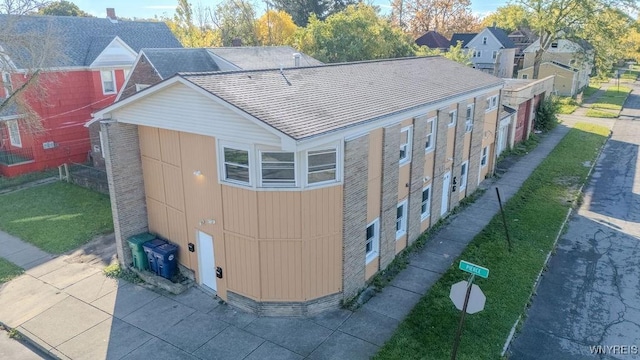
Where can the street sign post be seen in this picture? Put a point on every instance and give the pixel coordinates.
(477, 300)
(474, 269)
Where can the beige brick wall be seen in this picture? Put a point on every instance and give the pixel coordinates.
(458, 155)
(390, 174)
(126, 186)
(439, 164)
(356, 153)
(476, 144)
(417, 178)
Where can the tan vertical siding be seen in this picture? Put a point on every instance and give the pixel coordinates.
(428, 164)
(279, 215)
(173, 190)
(322, 270)
(157, 218)
(281, 270)
(153, 179)
(240, 214)
(372, 268)
(401, 244)
(149, 142)
(320, 211)
(466, 147)
(374, 197)
(170, 147)
(177, 233)
(243, 265)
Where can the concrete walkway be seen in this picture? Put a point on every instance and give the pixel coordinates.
(70, 309)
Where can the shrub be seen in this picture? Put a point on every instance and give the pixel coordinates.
(546, 118)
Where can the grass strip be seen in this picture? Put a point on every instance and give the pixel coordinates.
(601, 114)
(8, 271)
(56, 217)
(613, 98)
(535, 215)
(566, 105)
(590, 90)
(9, 182)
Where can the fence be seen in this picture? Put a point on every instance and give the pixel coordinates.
(86, 176)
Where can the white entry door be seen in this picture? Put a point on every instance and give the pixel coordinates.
(206, 261)
(502, 139)
(446, 184)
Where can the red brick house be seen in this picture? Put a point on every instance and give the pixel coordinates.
(97, 55)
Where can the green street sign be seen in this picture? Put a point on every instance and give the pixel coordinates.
(474, 269)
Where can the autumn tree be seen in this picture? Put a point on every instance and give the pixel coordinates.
(444, 16)
(190, 26)
(552, 19)
(276, 28)
(509, 17)
(62, 8)
(357, 33)
(236, 19)
(631, 42)
(300, 10)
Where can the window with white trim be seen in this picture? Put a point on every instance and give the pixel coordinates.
(108, 81)
(430, 144)
(484, 40)
(492, 102)
(464, 174)
(372, 244)
(322, 166)
(477, 53)
(485, 156)
(278, 168)
(6, 82)
(525, 76)
(469, 118)
(494, 55)
(405, 144)
(425, 209)
(236, 165)
(401, 219)
(14, 133)
(452, 117)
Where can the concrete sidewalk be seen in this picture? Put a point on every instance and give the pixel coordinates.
(70, 309)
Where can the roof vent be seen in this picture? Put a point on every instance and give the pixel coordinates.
(111, 15)
(296, 59)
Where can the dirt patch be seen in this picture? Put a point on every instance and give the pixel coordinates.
(100, 251)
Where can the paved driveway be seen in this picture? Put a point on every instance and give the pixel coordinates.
(590, 296)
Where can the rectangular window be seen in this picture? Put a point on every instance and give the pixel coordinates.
(492, 102)
(525, 76)
(469, 118)
(452, 118)
(322, 166)
(494, 55)
(372, 243)
(101, 134)
(405, 145)
(278, 168)
(236, 165)
(477, 53)
(484, 40)
(426, 203)
(464, 173)
(8, 87)
(108, 82)
(401, 219)
(484, 158)
(431, 135)
(14, 133)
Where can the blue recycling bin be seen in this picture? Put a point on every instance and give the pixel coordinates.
(148, 247)
(166, 259)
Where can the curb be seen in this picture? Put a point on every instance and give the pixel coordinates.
(30, 344)
(511, 335)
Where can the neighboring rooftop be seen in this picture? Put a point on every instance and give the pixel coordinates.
(433, 40)
(82, 39)
(262, 57)
(502, 36)
(169, 62)
(464, 38)
(309, 101)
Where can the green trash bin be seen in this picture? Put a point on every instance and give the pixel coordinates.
(137, 251)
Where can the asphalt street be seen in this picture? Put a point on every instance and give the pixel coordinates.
(587, 305)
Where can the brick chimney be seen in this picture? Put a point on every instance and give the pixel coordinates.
(236, 42)
(111, 13)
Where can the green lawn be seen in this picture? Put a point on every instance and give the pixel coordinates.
(613, 98)
(566, 105)
(8, 271)
(590, 90)
(535, 215)
(630, 75)
(602, 114)
(7, 182)
(56, 217)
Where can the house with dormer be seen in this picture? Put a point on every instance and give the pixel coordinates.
(491, 49)
(97, 55)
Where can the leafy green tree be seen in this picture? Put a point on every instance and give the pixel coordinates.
(63, 8)
(509, 17)
(355, 34)
(236, 19)
(301, 10)
(190, 27)
(455, 53)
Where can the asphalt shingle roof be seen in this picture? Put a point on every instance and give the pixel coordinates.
(262, 57)
(465, 38)
(310, 101)
(433, 40)
(502, 36)
(82, 38)
(169, 62)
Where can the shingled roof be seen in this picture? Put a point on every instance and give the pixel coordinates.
(82, 39)
(464, 38)
(502, 36)
(433, 40)
(169, 62)
(308, 101)
(262, 57)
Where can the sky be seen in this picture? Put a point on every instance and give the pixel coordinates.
(149, 8)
